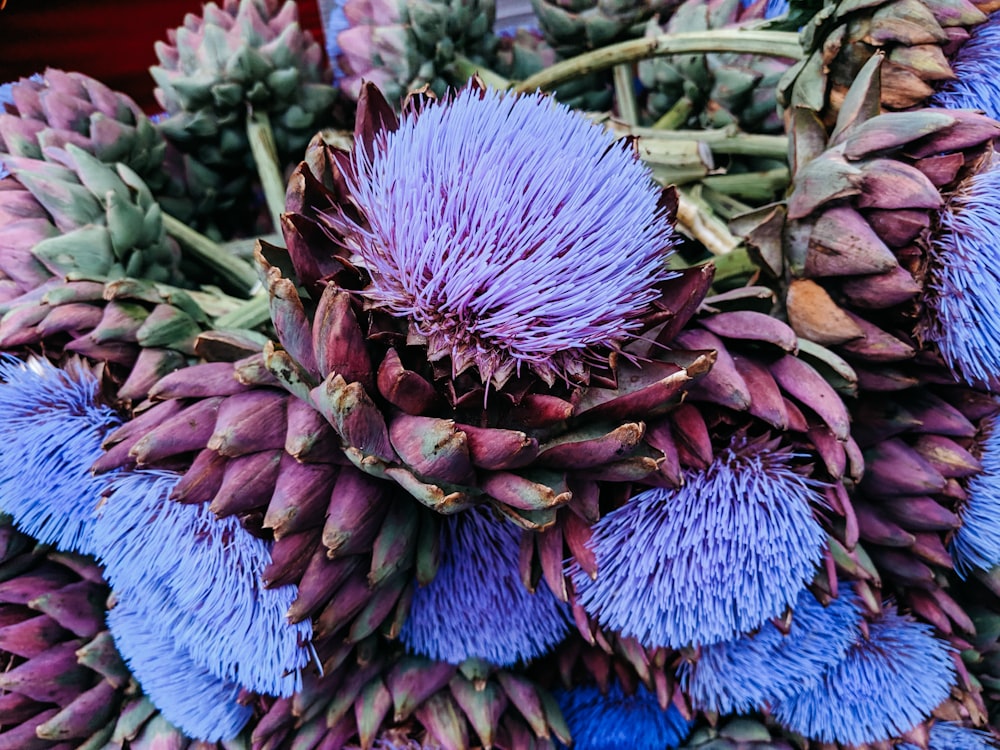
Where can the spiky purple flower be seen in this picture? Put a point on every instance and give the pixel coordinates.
(964, 281)
(707, 562)
(51, 432)
(948, 736)
(884, 686)
(975, 84)
(511, 231)
(599, 721)
(976, 543)
(476, 606)
(743, 675)
(188, 695)
(199, 578)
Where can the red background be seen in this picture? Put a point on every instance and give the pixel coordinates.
(111, 40)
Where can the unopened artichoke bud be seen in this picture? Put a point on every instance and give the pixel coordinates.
(576, 26)
(63, 680)
(403, 46)
(56, 109)
(103, 222)
(238, 57)
(717, 89)
(737, 734)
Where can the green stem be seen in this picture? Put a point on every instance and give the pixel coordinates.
(771, 43)
(754, 186)
(265, 156)
(736, 264)
(237, 274)
(727, 140)
(628, 109)
(676, 116)
(252, 313)
(463, 69)
(695, 219)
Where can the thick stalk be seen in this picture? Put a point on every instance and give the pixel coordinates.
(697, 221)
(754, 186)
(628, 109)
(727, 140)
(237, 274)
(252, 313)
(463, 69)
(265, 156)
(676, 116)
(771, 43)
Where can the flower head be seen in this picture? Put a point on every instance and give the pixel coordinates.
(51, 432)
(202, 576)
(476, 606)
(948, 736)
(704, 563)
(964, 282)
(885, 685)
(742, 675)
(974, 84)
(615, 720)
(186, 693)
(976, 543)
(510, 231)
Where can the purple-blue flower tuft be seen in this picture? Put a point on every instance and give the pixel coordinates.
(710, 561)
(188, 695)
(975, 84)
(201, 576)
(476, 606)
(948, 736)
(743, 675)
(511, 231)
(51, 433)
(964, 280)
(976, 543)
(616, 720)
(885, 685)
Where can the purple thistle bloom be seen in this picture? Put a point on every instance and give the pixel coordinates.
(51, 432)
(511, 231)
(964, 281)
(336, 21)
(476, 606)
(776, 8)
(948, 736)
(188, 695)
(743, 675)
(885, 685)
(200, 579)
(976, 544)
(707, 562)
(617, 720)
(975, 85)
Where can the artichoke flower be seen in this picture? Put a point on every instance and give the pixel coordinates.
(403, 46)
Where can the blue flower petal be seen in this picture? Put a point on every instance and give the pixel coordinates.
(963, 286)
(189, 696)
(885, 685)
(51, 432)
(476, 606)
(705, 563)
(976, 544)
(975, 85)
(743, 675)
(948, 736)
(616, 721)
(202, 576)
